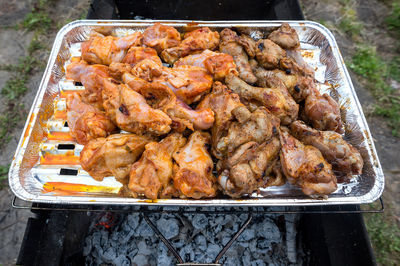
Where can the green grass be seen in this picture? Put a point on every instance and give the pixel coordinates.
(393, 20)
(385, 236)
(349, 22)
(3, 175)
(36, 21)
(368, 64)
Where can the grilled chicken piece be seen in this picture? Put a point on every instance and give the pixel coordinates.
(193, 42)
(188, 83)
(152, 174)
(222, 102)
(91, 77)
(161, 37)
(257, 126)
(105, 50)
(304, 165)
(269, 54)
(217, 64)
(137, 54)
(344, 158)
(286, 37)
(277, 99)
(136, 116)
(85, 121)
(162, 97)
(230, 45)
(249, 168)
(193, 168)
(295, 64)
(323, 112)
(112, 156)
(248, 44)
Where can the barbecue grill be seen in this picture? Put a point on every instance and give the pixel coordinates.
(318, 235)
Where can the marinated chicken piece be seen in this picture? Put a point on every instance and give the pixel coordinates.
(257, 126)
(304, 165)
(269, 54)
(276, 177)
(91, 77)
(136, 116)
(344, 158)
(105, 50)
(249, 168)
(193, 42)
(323, 112)
(295, 63)
(217, 64)
(277, 100)
(161, 37)
(137, 54)
(193, 168)
(286, 37)
(152, 174)
(117, 70)
(162, 97)
(133, 82)
(248, 44)
(112, 156)
(85, 121)
(222, 102)
(230, 45)
(188, 83)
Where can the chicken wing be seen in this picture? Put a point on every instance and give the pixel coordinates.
(193, 169)
(105, 50)
(91, 77)
(286, 37)
(161, 37)
(136, 116)
(222, 102)
(269, 54)
(112, 156)
(152, 174)
(305, 166)
(277, 100)
(230, 45)
(85, 121)
(162, 97)
(344, 158)
(137, 54)
(249, 168)
(323, 112)
(248, 44)
(217, 64)
(193, 42)
(258, 126)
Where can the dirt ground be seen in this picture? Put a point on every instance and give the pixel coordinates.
(14, 44)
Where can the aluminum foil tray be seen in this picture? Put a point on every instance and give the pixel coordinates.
(46, 164)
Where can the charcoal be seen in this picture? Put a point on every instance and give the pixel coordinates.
(201, 242)
(132, 252)
(178, 243)
(212, 251)
(143, 248)
(269, 230)
(200, 221)
(140, 260)
(109, 255)
(225, 240)
(187, 253)
(125, 236)
(133, 221)
(87, 248)
(164, 259)
(257, 263)
(232, 261)
(121, 260)
(247, 235)
(246, 258)
(168, 227)
(144, 230)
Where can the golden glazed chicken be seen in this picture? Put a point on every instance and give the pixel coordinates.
(206, 112)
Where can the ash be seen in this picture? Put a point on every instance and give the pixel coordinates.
(127, 239)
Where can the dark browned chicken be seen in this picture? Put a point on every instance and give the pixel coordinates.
(304, 165)
(345, 159)
(269, 54)
(217, 64)
(136, 116)
(193, 168)
(105, 50)
(85, 121)
(230, 45)
(91, 77)
(286, 37)
(151, 176)
(112, 156)
(193, 42)
(277, 100)
(222, 102)
(161, 37)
